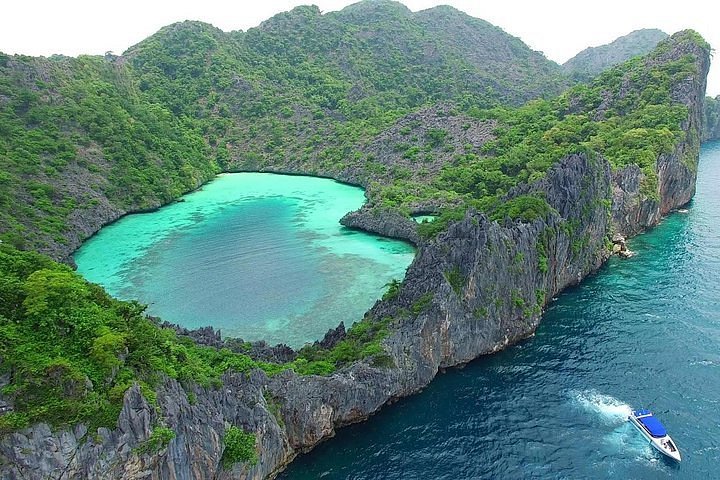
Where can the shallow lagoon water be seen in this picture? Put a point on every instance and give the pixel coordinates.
(642, 332)
(259, 256)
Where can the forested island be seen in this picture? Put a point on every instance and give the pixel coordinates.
(531, 176)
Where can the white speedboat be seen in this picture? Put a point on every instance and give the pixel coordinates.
(655, 433)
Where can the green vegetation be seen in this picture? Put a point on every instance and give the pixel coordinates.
(480, 312)
(274, 408)
(304, 90)
(87, 109)
(191, 100)
(73, 351)
(592, 61)
(626, 114)
(456, 280)
(525, 208)
(435, 137)
(362, 340)
(516, 299)
(393, 289)
(159, 439)
(421, 303)
(239, 447)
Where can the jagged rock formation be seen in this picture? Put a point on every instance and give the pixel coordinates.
(593, 60)
(473, 290)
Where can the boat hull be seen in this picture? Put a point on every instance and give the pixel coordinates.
(664, 445)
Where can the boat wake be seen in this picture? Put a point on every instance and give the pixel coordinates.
(610, 410)
(620, 436)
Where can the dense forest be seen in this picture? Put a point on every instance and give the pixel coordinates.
(101, 136)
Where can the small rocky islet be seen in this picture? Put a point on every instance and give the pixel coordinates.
(529, 176)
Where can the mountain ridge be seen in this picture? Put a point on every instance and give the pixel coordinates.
(593, 60)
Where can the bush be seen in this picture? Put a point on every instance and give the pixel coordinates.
(456, 280)
(525, 208)
(393, 289)
(159, 439)
(239, 447)
(421, 303)
(73, 350)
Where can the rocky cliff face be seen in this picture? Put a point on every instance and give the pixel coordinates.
(634, 211)
(473, 290)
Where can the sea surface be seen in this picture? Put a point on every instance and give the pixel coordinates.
(643, 332)
(257, 255)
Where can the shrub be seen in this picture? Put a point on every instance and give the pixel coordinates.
(456, 279)
(239, 447)
(422, 303)
(393, 289)
(159, 439)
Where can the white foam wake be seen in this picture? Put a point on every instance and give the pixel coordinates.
(620, 437)
(609, 409)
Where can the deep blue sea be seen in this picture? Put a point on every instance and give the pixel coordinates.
(642, 332)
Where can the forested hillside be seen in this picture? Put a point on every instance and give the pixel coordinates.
(85, 140)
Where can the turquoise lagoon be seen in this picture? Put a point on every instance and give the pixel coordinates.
(259, 256)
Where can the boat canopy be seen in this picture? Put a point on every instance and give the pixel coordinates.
(652, 424)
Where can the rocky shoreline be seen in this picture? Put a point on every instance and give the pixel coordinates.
(487, 283)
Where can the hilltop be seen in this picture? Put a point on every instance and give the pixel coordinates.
(593, 60)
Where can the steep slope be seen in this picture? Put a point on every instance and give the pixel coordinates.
(606, 158)
(593, 60)
(303, 89)
(79, 146)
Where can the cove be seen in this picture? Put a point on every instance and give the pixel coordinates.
(642, 332)
(259, 256)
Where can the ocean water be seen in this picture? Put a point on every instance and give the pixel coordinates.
(642, 332)
(259, 256)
